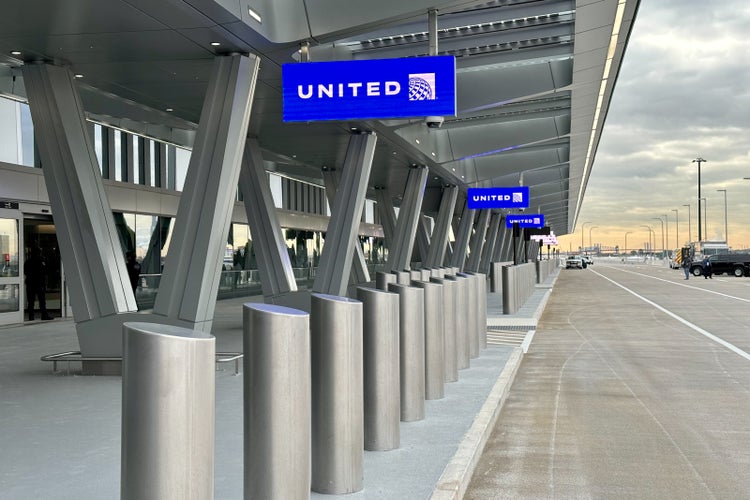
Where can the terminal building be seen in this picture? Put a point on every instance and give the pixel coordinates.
(160, 128)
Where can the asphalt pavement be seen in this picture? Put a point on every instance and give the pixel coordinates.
(637, 385)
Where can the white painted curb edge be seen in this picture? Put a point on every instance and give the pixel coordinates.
(457, 474)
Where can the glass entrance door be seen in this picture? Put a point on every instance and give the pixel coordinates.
(11, 264)
(40, 240)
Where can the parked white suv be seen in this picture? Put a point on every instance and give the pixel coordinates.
(574, 261)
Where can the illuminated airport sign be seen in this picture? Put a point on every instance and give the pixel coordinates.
(374, 88)
(499, 197)
(530, 220)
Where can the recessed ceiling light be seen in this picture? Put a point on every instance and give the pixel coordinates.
(416, 140)
(169, 110)
(78, 75)
(254, 15)
(394, 152)
(215, 44)
(15, 52)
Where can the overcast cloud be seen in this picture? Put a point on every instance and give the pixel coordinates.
(683, 92)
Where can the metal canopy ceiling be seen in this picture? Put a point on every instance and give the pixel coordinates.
(534, 81)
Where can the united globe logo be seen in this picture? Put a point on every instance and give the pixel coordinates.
(422, 87)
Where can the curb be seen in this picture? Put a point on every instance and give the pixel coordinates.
(457, 474)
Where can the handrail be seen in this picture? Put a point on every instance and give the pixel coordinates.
(68, 356)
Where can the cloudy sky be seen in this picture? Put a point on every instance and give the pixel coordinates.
(683, 92)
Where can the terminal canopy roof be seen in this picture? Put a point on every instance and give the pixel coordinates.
(534, 80)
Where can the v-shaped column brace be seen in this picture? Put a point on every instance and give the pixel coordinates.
(190, 281)
(346, 212)
(439, 240)
(399, 254)
(490, 243)
(477, 242)
(359, 273)
(387, 215)
(87, 236)
(465, 225)
(274, 266)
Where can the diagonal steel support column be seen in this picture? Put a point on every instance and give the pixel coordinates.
(488, 249)
(190, 280)
(346, 212)
(477, 242)
(439, 241)
(458, 259)
(387, 215)
(399, 254)
(359, 273)
(89, 245)
(276, 275)
(497, 255)
(423, 238)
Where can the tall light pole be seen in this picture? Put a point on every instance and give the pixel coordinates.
(690, 233)
(666, 233)
(705, 215)
(662, 231)
(626, 240)
(726, 226)
(591, 245)
(583, 245)
(649, 237)
(699, 160)
(677, 223)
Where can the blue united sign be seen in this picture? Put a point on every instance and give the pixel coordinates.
(377, 88)
(530, 220)
(499, 197)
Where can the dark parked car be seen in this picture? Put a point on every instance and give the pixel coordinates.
(737, 264)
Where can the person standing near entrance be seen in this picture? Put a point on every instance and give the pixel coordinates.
(35, 271)
(707, 273)
(686, 263)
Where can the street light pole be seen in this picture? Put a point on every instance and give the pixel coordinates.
(626, 241)
(666, 234)
(726, 226)
(583, 245)
(699, 160)
(662, 231)
(677, 223)
(705, 215)
(649, 237)
(690, 234)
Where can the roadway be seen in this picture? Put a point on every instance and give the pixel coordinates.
(637, 385)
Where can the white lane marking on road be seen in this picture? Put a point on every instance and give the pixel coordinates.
(682, 320)
(681, 284)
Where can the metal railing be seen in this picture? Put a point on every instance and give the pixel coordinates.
(76, 356)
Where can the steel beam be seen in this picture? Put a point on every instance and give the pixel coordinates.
(190, 281)
(399, 255)
(338, 252)
(274, 266)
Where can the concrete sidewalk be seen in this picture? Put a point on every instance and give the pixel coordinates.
(61, 434)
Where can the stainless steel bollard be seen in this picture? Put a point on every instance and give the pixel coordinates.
(482, 313)
(168, 398)
(434, 339)
(450, 355)
(337, 394)
(462, 325)
(411, 351)
(382, 396)
(382, 279)
(471, 315)
(403, 277)
(277, 402)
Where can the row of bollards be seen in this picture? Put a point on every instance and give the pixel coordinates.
(319, 388)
